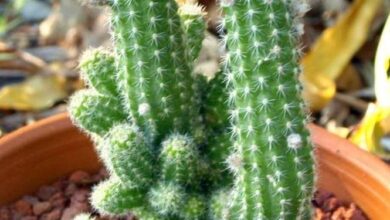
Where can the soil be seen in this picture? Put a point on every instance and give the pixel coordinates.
(68, 197)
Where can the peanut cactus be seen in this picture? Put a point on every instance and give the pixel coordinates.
(164, 133)
(272, 160)
(145, 110)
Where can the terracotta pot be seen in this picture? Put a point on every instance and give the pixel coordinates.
(45, 151)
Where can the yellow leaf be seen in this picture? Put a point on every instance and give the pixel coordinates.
(382, 62)
(36, 93)
(370, 131)
(334, 50)
(376, 122)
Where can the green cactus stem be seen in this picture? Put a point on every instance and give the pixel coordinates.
(273, 160)
(155, 75)
(216, 103)
(194, 208)
(94, 112)
(167, 198)
(129, 156)
(219, 149)
(180, 160)
(146, 214)
(98, 70)
(194, 27)
(218, 205)
(112, 197)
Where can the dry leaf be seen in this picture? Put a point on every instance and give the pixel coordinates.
(376, 122)
(65, 16)
(349, 80)
(369, 133)
(333, 51)
(36, 93)
(382, 67)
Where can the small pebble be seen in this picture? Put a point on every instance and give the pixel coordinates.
(328, 207)
(23, 207)
(71, 212)
(70, 189)
(5, 213)
(53, 215)
(29, 218)
(58, 200)
(31, 199)
(42, 207)
(80, 178)
(61, 184)
(80, 196)
(45, 192)
(331, 204)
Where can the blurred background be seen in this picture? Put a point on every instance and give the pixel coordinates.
(41, 41)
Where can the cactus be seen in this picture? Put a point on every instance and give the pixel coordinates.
(272, 159)
(143, 111)
(164, 133)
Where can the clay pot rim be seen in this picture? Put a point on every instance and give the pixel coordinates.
(350, 154)
(43, 128)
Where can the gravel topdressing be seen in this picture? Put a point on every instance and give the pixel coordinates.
(68, 197)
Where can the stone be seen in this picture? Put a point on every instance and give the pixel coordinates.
(42, 207)
(70, 189)
(31, 199)
(80, 178)
(58, 200)
(80, 196)
(34, 10)
(5, 213)
(23, 207)
(45, 192)
(29, 218)
(53, 215)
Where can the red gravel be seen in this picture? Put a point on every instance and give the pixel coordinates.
(328, 207)
(68, 197)
(62, 200)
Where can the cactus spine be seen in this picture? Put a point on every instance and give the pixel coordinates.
(273, 160)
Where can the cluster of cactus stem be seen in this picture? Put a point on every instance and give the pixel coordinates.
(169, 136)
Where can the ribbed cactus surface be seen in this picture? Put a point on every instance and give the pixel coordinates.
(273, 160)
